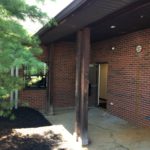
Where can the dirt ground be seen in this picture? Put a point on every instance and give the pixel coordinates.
(25, 118)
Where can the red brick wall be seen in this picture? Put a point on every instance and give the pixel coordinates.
(64, 74)
(128, 75)
(36, 98)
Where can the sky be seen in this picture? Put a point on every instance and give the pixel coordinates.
(51, 7)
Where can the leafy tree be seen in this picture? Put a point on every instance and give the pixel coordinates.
(17, 47)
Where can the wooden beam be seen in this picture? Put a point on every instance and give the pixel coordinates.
(85, 85)
(82, 84)
(78, 84)
(50, 106)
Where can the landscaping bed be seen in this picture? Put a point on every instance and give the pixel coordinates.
(25, 118)
(31, 131)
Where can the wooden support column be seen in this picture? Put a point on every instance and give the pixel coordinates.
(78, 86)
(82, 84)
(50, 106)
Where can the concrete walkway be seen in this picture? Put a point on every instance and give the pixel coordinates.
(106, 132)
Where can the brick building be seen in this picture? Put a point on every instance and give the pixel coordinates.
(98, 53)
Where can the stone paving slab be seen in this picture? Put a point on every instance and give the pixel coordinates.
(106, 132)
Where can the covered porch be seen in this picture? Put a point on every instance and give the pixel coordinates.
(106, 132)
(97, 32)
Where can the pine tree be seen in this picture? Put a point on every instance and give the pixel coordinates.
(17, 47)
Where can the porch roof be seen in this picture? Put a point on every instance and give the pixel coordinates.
(106, 18)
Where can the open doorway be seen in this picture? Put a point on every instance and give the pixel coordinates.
(102, 84)
(93, 85)
(98, 85)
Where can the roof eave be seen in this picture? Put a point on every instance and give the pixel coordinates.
(62, 15)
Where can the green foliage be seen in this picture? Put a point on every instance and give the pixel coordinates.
(5, 109)
(17, 47)
(19, 9)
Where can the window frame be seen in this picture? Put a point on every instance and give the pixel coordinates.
(43, 74)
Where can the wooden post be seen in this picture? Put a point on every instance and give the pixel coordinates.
(50, 107)
(82, 84)
(78, 85)
(85, 85)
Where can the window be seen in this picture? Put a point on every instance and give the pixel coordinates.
(36, 81)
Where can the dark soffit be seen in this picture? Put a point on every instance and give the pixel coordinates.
(130, 19)
(80, 14)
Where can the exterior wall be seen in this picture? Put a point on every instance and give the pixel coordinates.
(35, 98)
(63, 74)
(128, 75)
(63, 84)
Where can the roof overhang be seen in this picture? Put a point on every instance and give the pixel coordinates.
(99, 15)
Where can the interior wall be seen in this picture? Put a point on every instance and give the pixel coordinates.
(103, 80)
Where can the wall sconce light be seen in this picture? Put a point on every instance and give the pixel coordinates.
(138, 49)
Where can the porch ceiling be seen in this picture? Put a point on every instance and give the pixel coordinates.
(106, 18)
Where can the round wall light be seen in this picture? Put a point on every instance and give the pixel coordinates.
(138, 48)
(113, 48)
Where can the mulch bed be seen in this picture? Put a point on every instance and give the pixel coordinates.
(25, 118)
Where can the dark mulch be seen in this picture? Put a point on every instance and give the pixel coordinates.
(25, 118)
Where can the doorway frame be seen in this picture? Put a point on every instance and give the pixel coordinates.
(98, 80)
